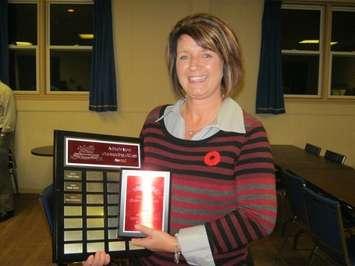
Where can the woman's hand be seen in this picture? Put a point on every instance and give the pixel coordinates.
(99, 259)
(155, 240)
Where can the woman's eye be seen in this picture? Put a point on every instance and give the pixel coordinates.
(206, 55)
(182, 57)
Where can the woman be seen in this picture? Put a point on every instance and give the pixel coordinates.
(223, 187)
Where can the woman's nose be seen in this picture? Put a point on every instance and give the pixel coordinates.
(194, 62)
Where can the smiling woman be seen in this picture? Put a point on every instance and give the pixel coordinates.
(222, 177)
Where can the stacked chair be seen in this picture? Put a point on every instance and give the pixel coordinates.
(327, 230)
(295, 196)
(319, 216)
(46, 198)
(312, 149)
(334, 157)
(348, 211)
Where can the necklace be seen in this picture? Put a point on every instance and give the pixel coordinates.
(192, 132)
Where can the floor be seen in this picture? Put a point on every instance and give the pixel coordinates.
(25, 240)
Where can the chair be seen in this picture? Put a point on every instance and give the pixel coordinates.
(46, 198)
(312, 149)
(326, 227)
(334, 157)
(281, 195)
(12, 170)
(295, 196)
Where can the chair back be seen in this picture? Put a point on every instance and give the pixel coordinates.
(326, 226)
(46, 199)
(295, 195)
(312, 149)
(334, 157)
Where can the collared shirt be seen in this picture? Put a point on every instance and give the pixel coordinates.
(193, 241)
(229, 118)
(7, 109)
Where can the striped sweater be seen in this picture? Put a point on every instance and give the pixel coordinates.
(225, 182)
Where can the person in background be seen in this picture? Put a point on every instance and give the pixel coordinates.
(223, 186)
(7, 129)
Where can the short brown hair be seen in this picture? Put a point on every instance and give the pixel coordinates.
(210, 33)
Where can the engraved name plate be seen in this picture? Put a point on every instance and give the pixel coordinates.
(72, 198)
(72, 175)
(72, 186)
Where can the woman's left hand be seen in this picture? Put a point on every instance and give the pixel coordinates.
(155, 240)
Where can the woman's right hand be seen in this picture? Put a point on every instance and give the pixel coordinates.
(100, 258)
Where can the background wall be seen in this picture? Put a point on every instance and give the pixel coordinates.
(140, 30)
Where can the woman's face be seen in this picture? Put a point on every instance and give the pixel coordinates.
(199, 70)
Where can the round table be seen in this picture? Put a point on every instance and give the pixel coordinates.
(46, 151)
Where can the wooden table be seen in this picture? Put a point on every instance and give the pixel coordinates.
(46, 151)
(336, 180)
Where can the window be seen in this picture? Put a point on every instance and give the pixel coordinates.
(50, 56)
(342, 61)
(22, 25)
(313, 64)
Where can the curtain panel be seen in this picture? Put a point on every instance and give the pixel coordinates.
(4, 43)
(270, 98)
(103, 92)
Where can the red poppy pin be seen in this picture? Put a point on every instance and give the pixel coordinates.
(212, 158)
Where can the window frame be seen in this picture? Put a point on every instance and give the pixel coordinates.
(61, 47)
(305, 52)
(42, 48)
(341, 53)
(325, 53)
(30, 47)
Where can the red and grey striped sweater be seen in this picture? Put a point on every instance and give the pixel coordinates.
(225, 182)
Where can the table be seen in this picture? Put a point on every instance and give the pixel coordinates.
(46, 151)
(334, 179)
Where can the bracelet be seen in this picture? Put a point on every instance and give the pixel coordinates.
(177, 254)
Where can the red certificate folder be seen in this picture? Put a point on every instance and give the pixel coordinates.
(144, 200)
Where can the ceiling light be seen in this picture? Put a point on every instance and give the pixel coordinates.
(70, 10)
(314, 42)
(86, 36)
(309, 42)
(23, 43)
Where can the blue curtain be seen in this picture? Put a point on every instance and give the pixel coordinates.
(4, 46)
(103, 96)
(269, 98)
